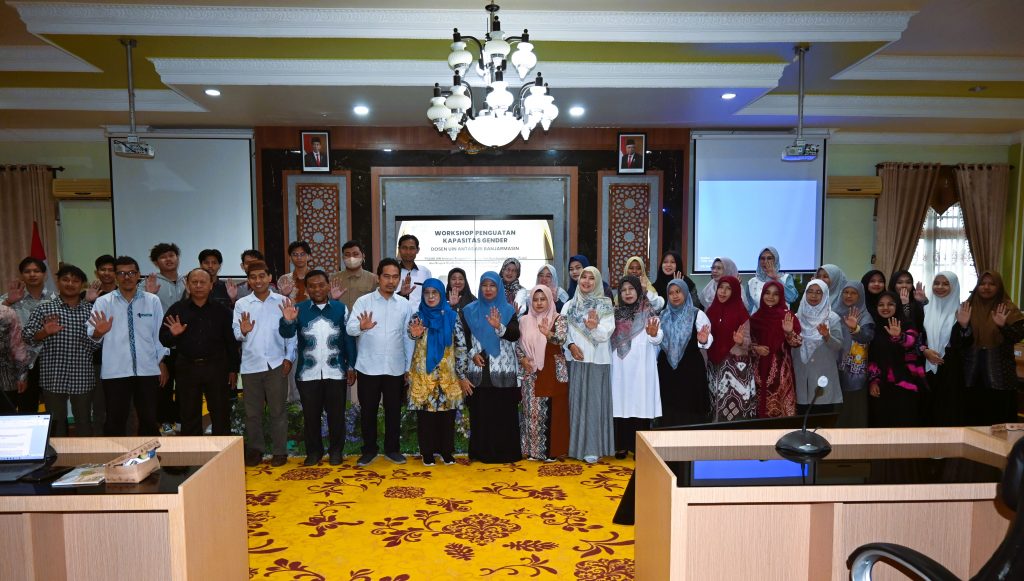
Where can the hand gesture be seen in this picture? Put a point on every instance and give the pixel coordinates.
(770, 269)
(527, 364)
(823, 330)
(336, 291)
(152, 284)
(679, 274)
(852, 318)
(406, 285)
(289, 312)
(15, 291)
(173, 324)
(246, 324)
(963, 314)
(516, 307)
(100, 323)
(652, 326)
(467, 386)
(737, 337)
(366, 321)
(51, 325)
(591, 320)
(999, 314)
(494, 318)
(285, 286)
(416, 328)
(92, 292)
(933, 357)
(545, 327)
(894, 329)
(787, 323)
(232, 289)
(905, 296)
(453, 298)
(919, 295)
(761, 350)
(576, 352)
(703, 333)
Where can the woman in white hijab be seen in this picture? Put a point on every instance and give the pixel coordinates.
(821, 338)
(943, 365)
(547, 276)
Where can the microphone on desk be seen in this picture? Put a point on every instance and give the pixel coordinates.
(801, 445)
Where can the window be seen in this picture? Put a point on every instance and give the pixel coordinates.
(943, 246)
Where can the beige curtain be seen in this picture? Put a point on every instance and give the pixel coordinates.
(902, 206)
(25, 197)
(983, 192)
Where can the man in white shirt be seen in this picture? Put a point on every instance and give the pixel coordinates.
(380, 322)
(127, 321)
(412, 276)
(266, 361)
(167, 284)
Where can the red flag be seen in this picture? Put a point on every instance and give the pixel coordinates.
(37, 252)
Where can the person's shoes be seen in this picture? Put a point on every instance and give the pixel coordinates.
(312, 459)
(337, 459)
(448, 459)
(551, 459)
(428, 460)
(590, 459)
(253, 457)
(395, 457)
(365, 459)
(278, 460)
(621, 454)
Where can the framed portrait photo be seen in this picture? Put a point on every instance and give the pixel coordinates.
(631, 148)
(316, 151)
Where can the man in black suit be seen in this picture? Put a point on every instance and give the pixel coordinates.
(631, 159)
(315, 158)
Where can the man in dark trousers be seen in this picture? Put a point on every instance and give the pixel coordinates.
(199, 328)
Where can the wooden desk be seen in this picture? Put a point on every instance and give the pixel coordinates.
(805, 532)
(198, 533)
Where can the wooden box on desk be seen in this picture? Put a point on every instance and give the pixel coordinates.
(115, 472)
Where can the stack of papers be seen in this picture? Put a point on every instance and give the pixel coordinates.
(84, 475)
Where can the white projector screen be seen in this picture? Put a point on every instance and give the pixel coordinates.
(747, 198)
(196, 193)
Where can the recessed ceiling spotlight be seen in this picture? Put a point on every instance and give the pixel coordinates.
(577, 111)
(387, 150)
(360, 110)
(212, 92)
(728, 96)
(977, 88)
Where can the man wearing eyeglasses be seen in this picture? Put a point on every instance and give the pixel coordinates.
(127, 322)
(293, 284)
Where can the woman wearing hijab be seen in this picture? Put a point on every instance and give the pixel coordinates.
(493, 372)
(545, 410)
(874, 285)
(773, 332)
(672, 268)
(989, 325)
(720, 267)
(591, 320)
(858, 330)
(820, 340)
(510, 271)
(457, 291)
(635, 267)
(576, 265)
(895, 367)
(835, 278)
(767, 270)
(437, 374)
(636, 397)
(943, 364)
(733, 375)
(547, 276)
(912, 298)
(682, 371)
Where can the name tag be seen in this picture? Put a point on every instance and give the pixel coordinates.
(142, 315)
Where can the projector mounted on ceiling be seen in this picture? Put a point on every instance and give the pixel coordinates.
(131, 146)
(800, 150)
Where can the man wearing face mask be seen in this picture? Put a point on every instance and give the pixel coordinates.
(355, 281)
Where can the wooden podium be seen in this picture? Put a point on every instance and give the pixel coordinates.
(197, 532)
(808, 531)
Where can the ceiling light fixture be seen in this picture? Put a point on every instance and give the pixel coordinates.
(502, 116)
(577, 111)
(361, 110)
(212, 92)
(728, 96)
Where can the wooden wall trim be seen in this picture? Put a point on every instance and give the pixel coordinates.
(346, 174)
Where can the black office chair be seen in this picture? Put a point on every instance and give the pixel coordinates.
(1006, 564)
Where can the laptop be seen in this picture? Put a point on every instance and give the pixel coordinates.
(23, 442)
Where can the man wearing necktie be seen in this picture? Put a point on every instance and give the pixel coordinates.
(630, 159)
(316, 157)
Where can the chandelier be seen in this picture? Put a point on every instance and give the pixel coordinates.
(502, 116)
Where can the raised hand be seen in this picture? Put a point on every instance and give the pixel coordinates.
(770, 269)
(232, 289)
(999, 314)
(894, 329)
(823, 330)
(152, 284)
(679, 274)
(366, 321)
(336, 291)
(416, 328)
(851, 319)
(919, 295)
(652, 326)
(246, 324)
(761, 350)
(545, 327)
(787, 323)
(905, 295)
(289, 312)
(737, 337)
(453, 298)
(285, 286)
(100, 323)
(963, 314)
(591, 320)
(494, 318)
(15, 291)
(92, 292)
(406, 286)
(703, 333)
(51, 325)
(173, 324)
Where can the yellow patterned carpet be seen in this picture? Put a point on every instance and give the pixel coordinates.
(387, 522)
